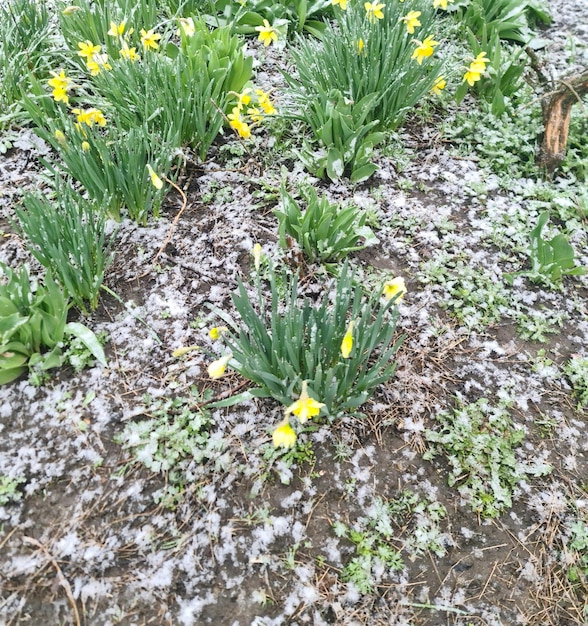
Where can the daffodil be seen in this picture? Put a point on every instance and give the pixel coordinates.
(217, 368)
(181, 351)
(373, 10)
(243, 98)
(155, 180)
(216, 331)
(116, 30)
(85, 146)
(438, 85)
(341, 3)
(305, 407)
(264, 102)
(471, 77)
(70, 9)
(237, 124)
(60, 84)
(440, 4)
(395, 287)
(411, 19)
(476, 69)
(347, 343)
(60, 137)
(256, 252)
(359, 45)
(87, 49)
(267, 33)
(424, 49)
(479, 63)
(129, 53)
(187, 26)
(284, 435)
(149, 39)
(97, 63)
(89, 117)
(254, 114)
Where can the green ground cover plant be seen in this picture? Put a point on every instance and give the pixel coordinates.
(404, 526)
(576, 369)
(479, 440)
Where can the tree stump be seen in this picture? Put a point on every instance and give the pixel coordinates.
(557, 109)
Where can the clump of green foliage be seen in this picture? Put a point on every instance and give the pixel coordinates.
(33, 325)
(478, 441)
(67, 236)
(550, 259)
(406, 524)
(294, 340)
(325, 232)
(576, 369)
(172, 434)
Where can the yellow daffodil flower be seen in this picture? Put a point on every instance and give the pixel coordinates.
(178, 352)
(129, 53)
(187, 26)
(347, 343)
(305, 407)
(116, 30)
(341, 3)
(60, 137)
(87, 49)
(216, 331)
(149, 39)
(217, 368)
(89, 117)
(85, 146)
(264, 102)
(97, 63)
(479, 63)
(243, 99)
(394, 287)
(424, 49)
(441, 4)
(155, 180)
(411, 19)
(60, 84)
(256, 252)
(359, 45)
(284, 435)
(255, 114)
(237, 124)
(476, 69)
(70, 9)
(373, 10)
(438, 85)
(267, 33)
(471, 77)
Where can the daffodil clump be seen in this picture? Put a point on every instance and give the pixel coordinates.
(251, 108)
(320, 359)
(385, 51)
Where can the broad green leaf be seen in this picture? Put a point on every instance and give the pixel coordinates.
(89, 339)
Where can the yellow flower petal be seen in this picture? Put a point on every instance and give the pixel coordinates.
(347, 343)
(155, 180)
(305, 407)
(284, 436)
(394, 287)
(217, 368)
